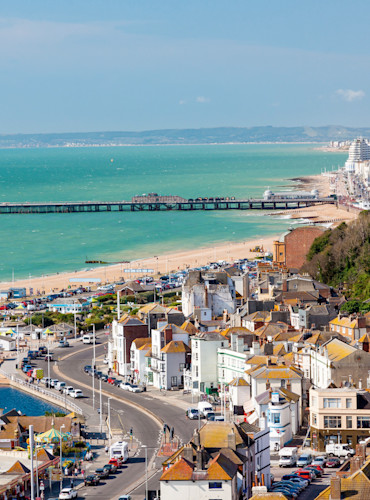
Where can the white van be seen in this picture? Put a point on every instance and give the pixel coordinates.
(88, 339)
(204, 407)
(288, 456)
(118, 450)
(339, 450)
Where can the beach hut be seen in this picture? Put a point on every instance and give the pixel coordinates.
(10, 332)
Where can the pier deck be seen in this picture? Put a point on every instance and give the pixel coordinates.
(135, 206)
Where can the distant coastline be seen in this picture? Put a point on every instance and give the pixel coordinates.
(176, 137)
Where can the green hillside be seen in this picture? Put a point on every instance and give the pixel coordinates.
(341, 258)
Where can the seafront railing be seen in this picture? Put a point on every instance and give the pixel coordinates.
(41, 392)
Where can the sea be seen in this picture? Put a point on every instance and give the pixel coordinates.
(28, 405)
(36, 245)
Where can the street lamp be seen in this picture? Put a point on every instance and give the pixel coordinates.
(93, 381)
(101, 409)
(60, 459)
(109, 428)
(146, 471)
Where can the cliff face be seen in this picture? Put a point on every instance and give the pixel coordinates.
(341, 257)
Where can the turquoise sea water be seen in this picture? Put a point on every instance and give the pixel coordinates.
(42, 244)
(13, 398)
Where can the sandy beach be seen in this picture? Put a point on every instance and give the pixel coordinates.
(330, 215)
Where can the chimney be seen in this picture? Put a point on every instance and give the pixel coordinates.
(225, 316)
(187, 453)
(256, 348)
(361, 451)
(167, 334)
(285, 286)
(360, 383)
(231, 441)
(289, 385)
(355, 464)
(199, 458)
(335, 488)
(268, 386)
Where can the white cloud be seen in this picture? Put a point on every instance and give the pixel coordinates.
(350, 95)
(181, 102)
(202, 99)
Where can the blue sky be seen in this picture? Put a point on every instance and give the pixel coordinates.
(88, 65)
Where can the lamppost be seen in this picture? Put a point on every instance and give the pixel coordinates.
(93, 381)
(101, 408)
(146, 471)
(60, 459)
(109, 428)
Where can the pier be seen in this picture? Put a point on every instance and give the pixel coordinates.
(158, 204)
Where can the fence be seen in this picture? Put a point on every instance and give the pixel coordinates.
(41, 392)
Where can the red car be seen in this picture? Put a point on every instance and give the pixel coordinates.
(333, 462)
(115, 462)
(111, 380)
(3, 308)
(305, 474)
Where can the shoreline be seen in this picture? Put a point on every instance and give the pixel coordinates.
(328, 215)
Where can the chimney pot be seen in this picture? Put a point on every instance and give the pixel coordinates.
(335, 488)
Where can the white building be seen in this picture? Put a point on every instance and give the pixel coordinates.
(8, 343)
(359, 152)
(204, 360)
(139, 348)
(208, 289)
(260, 433)
(69, 305)
(169, 356)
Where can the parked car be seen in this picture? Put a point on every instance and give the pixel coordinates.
(304, 459)
(298, 480)
(68, 389)
(319, 461)
(87, 368)
(108, 468)
(63, 343)
(339, 450)
(135, 388)
(332, 462)
(59, 386)
(317, 472)
(102, 473)
(117, 382)
(192, 413)
(125, 497)
(45, 380)
(77, 393)
(112, 466)
(67, 493)
(92, 480)
(49, 357)
(104, 377)
(53, 382)
(305, 474)
(125, 386)
(111, 380)
(115, 462)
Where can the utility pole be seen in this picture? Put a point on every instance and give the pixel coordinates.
(101, 408)
(30, 431)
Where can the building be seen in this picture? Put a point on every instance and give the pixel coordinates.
(339, 415)
(293, 246)
(139, 348)
(204, 347)
(335, 362)
(124, 332)
(152, 313)
(219, 462)
(8, 343)
(352, 327)
(170, 354)
(69, 305)
(214, 290)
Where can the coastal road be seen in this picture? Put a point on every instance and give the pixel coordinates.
(146, 430)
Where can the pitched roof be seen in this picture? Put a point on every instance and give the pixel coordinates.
(18, 468)
(221, 468)
(189, 327)
(345, 321)
(127, 320)
(260, 359)
(257, 316)
(364, 338)
(240, 330)
(182, 470)
(175, 346)
(338, 350)
(270, 329)
(238, 382)
(277, 372)
(270, 495)
(215, 435)
(140, 342)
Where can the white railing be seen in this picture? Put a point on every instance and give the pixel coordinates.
(41, 391)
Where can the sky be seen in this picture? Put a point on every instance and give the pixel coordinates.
(104, 65)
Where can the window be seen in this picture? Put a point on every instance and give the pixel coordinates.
(282, 383)
(348, 403)
(275, 418)
(196, 356)
(314, 419)
(349, 422)
(215, 485)
(313, 401)
(332, 422)
(363, 422)
(196, 371)
(181, 367)
(332, 403)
